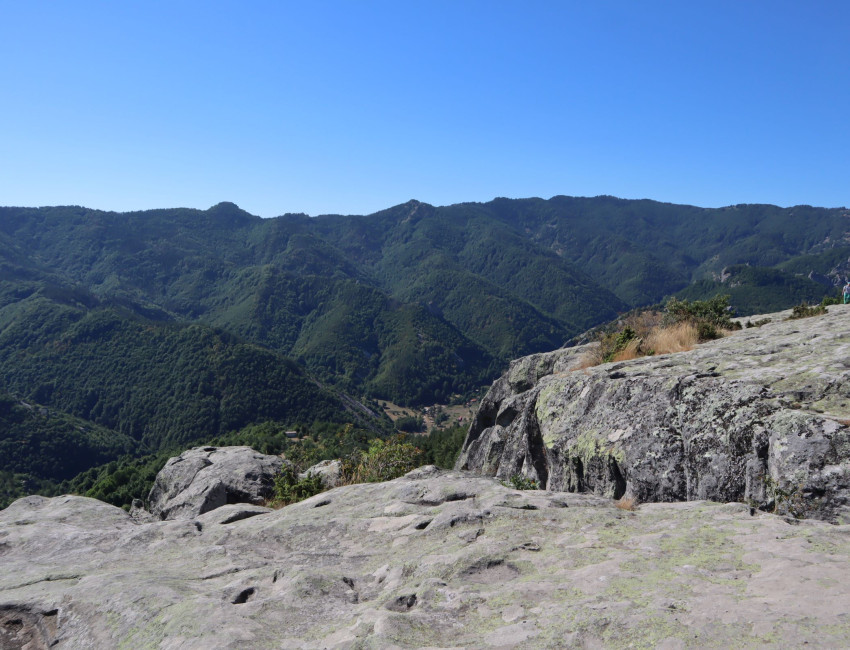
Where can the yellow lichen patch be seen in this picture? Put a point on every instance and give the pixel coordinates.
(591, 444)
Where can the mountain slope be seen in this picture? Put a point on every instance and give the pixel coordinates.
(645, 250)
(41, 446)
(307, 287)
(417, 302)
(158, 384)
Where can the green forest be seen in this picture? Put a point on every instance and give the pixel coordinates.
(126, 337)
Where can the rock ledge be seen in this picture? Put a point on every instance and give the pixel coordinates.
(759, 417)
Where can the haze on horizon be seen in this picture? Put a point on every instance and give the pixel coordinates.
(339, 107)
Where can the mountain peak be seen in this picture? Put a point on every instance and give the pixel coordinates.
(229, 210)
(225, 205)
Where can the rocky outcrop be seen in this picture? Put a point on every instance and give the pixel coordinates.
(206, 478)
(760, 417)
(330, 472)
(434, 559)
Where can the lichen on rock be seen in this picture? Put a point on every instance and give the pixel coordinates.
(754, 417)
(433, 559)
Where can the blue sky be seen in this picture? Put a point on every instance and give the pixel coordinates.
(352, 107)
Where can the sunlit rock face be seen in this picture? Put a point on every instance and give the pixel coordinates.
(760, 417)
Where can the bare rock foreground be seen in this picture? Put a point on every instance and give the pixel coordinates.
(433, 559)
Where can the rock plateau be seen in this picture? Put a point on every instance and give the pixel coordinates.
(434, 559)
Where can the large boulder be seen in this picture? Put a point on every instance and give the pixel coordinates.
(206, 478)
(760, 417)
(434, 559)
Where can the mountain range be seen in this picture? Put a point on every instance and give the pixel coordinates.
(165, 327)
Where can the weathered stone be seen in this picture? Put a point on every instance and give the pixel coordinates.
(329, 470)
(206, 478)
(760, 416)
(434, 559)
(138, 512)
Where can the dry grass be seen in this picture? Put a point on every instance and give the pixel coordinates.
(676, 338)
(627, 503)
(592, 357)
(652, 338)
(631, 351)
(644, 323)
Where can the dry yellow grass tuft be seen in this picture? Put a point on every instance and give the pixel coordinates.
(631, 351)
(627, 503)
(676, 338)
(652, 339)
(593, 357)
(646, 334)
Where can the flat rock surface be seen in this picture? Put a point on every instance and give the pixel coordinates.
(759, 416)
(435, 559)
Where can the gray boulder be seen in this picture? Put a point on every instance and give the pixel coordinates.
(760, 417)
(206, 478)
(434, 559)
(329, 470)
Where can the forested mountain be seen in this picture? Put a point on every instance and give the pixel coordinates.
(40, 447)
(405, 305)
(92, 383)
(416, 302)
(165, 327)
(645, 250)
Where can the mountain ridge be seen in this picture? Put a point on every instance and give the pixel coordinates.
(475, 268)
(414, 304)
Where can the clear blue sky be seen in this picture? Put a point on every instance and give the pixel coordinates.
(355, 106)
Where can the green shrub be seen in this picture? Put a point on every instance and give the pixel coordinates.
(520, 482)
(383, 461)
(616, 342)
(714, 310)
(288, 488)
(836, 299)
(708, 316)
(707, 331)
(803, 310)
